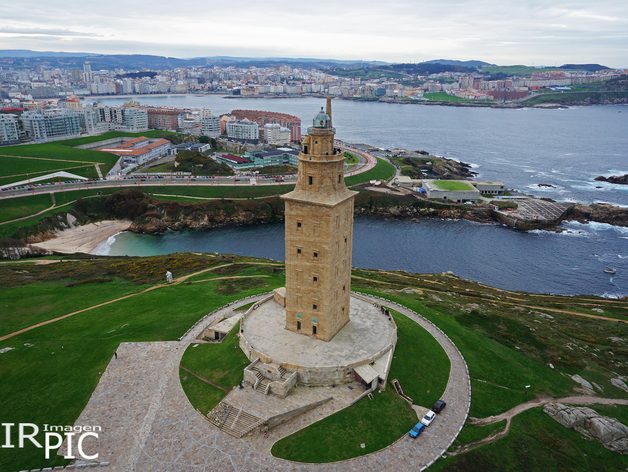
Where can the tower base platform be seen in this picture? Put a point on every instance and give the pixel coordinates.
(361, 351)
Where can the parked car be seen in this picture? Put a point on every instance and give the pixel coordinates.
(428, 418)
(416, 430)
(439, 406)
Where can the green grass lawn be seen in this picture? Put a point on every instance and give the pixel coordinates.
(499, 373)
(164, 167)
(222, 363)
(452, 185)
(18, 207)
(383, 170)
(422, 368)
(202, 396)
(536, 443)
(471, 433)
(444, 97)
(375, 423)
(57, 155)
(40, 159)
(419, 363)
(47, 300)
(51, 371)
(576, 97)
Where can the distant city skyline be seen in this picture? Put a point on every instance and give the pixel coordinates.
(501, 32)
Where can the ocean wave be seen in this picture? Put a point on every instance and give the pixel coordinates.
(594, 226)
(565, 232)
(104, 248)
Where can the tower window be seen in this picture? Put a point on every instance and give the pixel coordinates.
(310, 180)
(315, 279)
(344, 288)
(345, 240)
(315, 254)
(299, 225)
(314, 306)
(298, 250)
(339, 177)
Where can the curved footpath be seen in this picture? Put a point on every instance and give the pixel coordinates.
(149, 424)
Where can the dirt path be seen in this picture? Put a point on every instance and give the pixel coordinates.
(510, 414)
(176, 281)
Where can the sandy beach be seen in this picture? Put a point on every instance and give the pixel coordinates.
(84, 238)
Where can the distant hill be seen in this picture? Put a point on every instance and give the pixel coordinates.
(368, 69)
(453, 62)
(587, 67)
(29, 53)
(26, 58)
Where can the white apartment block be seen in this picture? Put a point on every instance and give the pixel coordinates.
(134, 119)
(50, 124)
(210, 126)
(276, 134)
(244, 130)
(9, 131)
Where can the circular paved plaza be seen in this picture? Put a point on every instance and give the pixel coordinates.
(149, 424)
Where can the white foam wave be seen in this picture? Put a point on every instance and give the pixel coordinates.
(104, 248)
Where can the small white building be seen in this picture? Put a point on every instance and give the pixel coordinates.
(489, 188)
(455, 191)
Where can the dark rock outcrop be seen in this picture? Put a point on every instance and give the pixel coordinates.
(610, 432)
(614, 179)
(600, 213)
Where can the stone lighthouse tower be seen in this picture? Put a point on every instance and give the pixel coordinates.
(319, 231)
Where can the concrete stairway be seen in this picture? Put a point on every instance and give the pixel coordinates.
(233, 421)
(263, 386)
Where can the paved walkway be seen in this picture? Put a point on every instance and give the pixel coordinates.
(148, 423)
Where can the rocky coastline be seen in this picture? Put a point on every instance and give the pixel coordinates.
(154, 216)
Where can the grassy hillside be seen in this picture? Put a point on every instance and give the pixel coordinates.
(509, 340)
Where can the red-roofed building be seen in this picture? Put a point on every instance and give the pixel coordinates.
(232, 159)
(134, 152)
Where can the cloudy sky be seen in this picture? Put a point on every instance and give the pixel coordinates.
(535, 32)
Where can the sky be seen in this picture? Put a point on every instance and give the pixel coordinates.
(534, 32)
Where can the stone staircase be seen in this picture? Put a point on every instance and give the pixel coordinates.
(263, 386)
(284, 373)
(234, 421)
